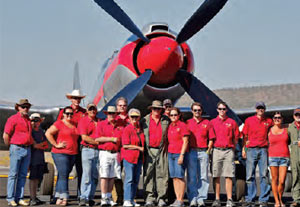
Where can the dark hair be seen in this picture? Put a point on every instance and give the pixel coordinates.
(196, 104)
(278, 113)
(67, 107)
(121, 99)
(222, 103)
(176, 109)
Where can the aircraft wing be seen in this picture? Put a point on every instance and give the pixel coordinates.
(6, 110)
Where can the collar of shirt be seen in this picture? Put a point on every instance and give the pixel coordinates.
(222, 120)
(198, 121)
(154, 119)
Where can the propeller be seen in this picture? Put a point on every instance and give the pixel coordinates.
(118, 14)
(199, 19)
(76, 80)
(129, 92)
(202, 94)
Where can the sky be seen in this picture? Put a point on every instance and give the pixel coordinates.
(249, 43)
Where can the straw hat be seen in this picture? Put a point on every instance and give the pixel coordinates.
(134, 112)
(22, 102)
(75, 93)
(110, 109)
(91, 105)
(156, 104)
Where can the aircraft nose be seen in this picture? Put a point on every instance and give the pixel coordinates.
(163, 56)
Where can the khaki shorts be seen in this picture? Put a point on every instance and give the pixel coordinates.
(109, 165)
(223, 163)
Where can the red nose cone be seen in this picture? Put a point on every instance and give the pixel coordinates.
(163, 56)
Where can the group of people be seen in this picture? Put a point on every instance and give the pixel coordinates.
(161, 144)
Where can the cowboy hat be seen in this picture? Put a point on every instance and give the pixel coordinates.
(156, 104)
(75, 93)
(22, 102)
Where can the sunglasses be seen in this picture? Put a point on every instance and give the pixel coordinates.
(111, 113)
(134, 117)
(168, 106)
(222, 109)
(69, 113)
(173, 115)
(35, 120)
(260, 108)
(25, 106)
(197, 110)
(156, 109)
(92, 109)
(297, 115)
(76, 98)
(277, 117)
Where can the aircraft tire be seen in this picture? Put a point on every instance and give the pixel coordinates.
(48, 181)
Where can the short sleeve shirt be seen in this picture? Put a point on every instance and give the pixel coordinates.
(122, 122)
(224, 132)
(155, 133)
(19, 129)
(67, 135)
(257, 131)
(87, 126)
(106, 129)
(176, 132)
(199, 133)
(37, 155)
(132, 136)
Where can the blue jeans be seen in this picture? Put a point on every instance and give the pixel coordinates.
(197, 176)
(64, 164)
(19, 164)
(132, 177)
(257, 156)
(90, 166)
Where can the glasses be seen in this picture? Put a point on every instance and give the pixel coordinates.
(134, 117)
(173, 115)
(35, 120)
(122, 105)
(25, 106)
(222, 109)
(76, 98)
(297, 115)
(111, 113)
(92, 109)
(168, 106)
(277, 117)
(156, 109)
(69, 113)
(197, 110)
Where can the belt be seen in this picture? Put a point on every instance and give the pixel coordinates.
(111, 151)
(23, 145)
(199, 149)
(86, 146)
(223, 149)
(257, 147)
(154, 147)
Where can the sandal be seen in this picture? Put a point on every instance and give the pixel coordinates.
(277, 205)
(59, 201)
(64, 202)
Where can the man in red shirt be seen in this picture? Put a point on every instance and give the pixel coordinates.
(224, 132)
(167, 103)
(17, 135)
(75, 97)
(109, 138)
(255, 133)
(156, 177)
(198, 160)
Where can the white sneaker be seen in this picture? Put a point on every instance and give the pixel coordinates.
(127, 204)
(104, 202)
(23, 203)
(136, 204)
(112, 203)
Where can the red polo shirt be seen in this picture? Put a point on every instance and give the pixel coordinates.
(257, 131)
(176, 132)
(106, 129)
(122, 122)
(130, 137)
(155, 133)
(78, 114)
(224, 132)
(87, 126)
(67, 135)
(19, 129)
(199, 133)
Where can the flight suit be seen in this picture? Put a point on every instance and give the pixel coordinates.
(294, 136)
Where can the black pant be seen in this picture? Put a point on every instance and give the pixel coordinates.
(78, 166)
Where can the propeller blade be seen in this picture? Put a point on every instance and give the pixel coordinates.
(118, 14)
(129, 92)
(199, 19)
(76, 79)
(202, 94)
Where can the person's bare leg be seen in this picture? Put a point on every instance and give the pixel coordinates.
(281, 182)
(180, 189)
(104, 185)
(274, 173)
(110, 184)
(217, 187)
(175, 184)
(228, 186)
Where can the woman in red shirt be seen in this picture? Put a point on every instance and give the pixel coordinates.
(133, 156)
(63, 136)
(279, 157)
(178, 135)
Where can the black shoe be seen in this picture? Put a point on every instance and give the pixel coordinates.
(91, 203)
(33, 202)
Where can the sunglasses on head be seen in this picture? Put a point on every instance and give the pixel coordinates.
(69, 113)
(197, 110)
(25, 106)
(173, 115)
(222, 109)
